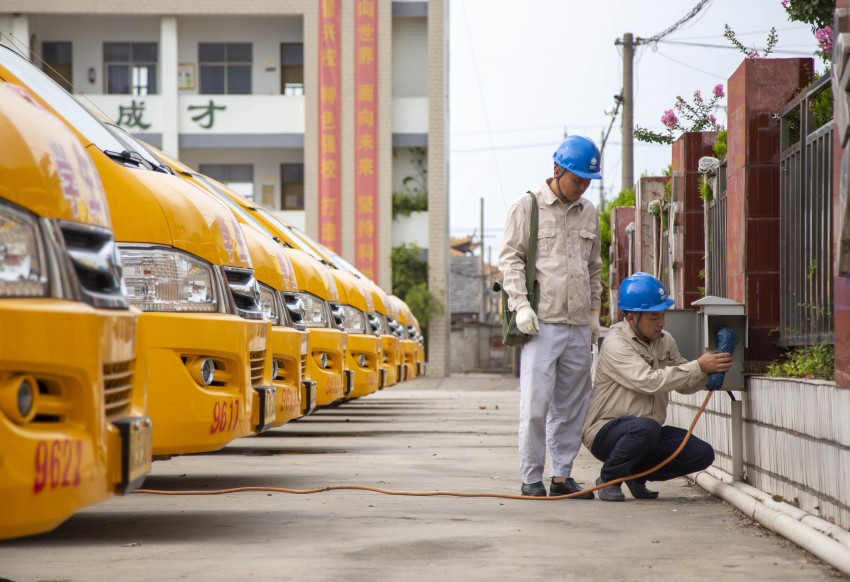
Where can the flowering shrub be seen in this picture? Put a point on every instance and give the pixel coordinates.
(752, 53)
(696, 116)
(818, 14)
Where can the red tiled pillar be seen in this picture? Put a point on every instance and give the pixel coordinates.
(621, 217)
(689, 234)
(757, 90)
(841, 289)
(647, 190)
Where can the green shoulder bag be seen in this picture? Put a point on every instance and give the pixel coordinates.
(511, 335)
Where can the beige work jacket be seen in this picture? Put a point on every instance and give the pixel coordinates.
(568, 266)
(634, 378)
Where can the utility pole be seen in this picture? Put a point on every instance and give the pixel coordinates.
(628, 161)
(602, 179)
(482, 312)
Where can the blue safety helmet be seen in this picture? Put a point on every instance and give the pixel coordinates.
(643, 292)
(580, 156)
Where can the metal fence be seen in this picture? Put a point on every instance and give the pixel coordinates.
(805, 229)
(716, 229)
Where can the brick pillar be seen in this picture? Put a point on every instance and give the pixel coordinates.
(647, 191)
(757, 90)
(841, 290)
(689, 217)
(621, 217)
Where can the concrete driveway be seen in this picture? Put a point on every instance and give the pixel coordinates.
(457, 434)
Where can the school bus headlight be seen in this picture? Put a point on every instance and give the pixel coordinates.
(275, 368)
(22, 260)
(18, 398)
(362, 360)
(315, 310)
(202, 370)
(269, 304)
(161, 279)
(323, 360)
(353, 320)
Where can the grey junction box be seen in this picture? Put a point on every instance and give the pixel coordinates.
(695, 331)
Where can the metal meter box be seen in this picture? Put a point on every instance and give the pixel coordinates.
(695, 332)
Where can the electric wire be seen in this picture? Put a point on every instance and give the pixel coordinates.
(368, 488)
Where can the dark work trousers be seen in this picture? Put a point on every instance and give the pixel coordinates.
(632, 444)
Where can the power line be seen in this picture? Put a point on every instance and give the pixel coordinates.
(745, 33)
(686, 65)
(673, 28)
(721, 46)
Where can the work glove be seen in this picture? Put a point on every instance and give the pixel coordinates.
(594, 327)
(526, 320)
(725, 341)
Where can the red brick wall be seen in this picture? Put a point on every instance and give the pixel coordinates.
(687, 150)
(757, 90)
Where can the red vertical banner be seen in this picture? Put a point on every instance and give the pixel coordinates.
(330, 203)
(366, 136)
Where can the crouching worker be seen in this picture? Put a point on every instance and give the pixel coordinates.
(639, 364)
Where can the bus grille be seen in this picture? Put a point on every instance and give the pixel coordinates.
(117, 389)
(258, 364)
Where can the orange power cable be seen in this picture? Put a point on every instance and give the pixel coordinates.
(437, 493)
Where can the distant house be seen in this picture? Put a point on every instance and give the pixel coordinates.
(465, 285)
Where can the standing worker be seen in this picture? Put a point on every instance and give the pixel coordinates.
(639, 365)
(555, 364)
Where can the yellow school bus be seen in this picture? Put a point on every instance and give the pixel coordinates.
(309, 305)
(407, 338)
(355, 313)
(288, 338)
(73, 430)
(201, 339)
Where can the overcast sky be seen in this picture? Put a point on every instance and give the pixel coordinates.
(523, 73)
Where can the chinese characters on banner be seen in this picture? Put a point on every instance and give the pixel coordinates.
(366, 136)
(330, 206)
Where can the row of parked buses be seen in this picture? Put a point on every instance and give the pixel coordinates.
(147, 311)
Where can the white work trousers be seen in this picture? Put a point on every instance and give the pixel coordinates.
(554, 391)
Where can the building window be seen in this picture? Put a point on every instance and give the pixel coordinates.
(237, 177)
(130, 67)
(292, 186)
(57, 60)
(292, 69)
(225, 68)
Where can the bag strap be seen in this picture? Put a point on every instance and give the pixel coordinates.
(531, 262)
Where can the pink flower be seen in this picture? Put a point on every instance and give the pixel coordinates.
(718, 91)
(753, 54)
(712, 119)
(669, 119)
(697, 96)
(824, 38)
(785, 4)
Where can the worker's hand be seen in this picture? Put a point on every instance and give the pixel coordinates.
(526, 320)
(594, 327)
(715, 362)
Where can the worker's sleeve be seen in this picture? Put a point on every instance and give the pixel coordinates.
(513, 255)
(627, 368)
(594, 269)
(698, 382)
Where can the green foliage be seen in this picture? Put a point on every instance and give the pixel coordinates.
(752, 53)
(720, 144)
(695, 116)
(817, 13)
(413, 196)
(705, 190)
(410, 284)
(624, 198)
(807, 362)
(648, 136)
(405, 202)
(820, 107)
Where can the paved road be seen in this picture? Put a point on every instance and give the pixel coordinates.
(453, 435)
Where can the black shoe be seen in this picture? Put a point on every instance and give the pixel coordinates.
(639, 491)
(611, 492)
(533, 489)
(567, 487)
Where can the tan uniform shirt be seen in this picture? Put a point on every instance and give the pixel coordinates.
(633, 378)
(568, 266)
